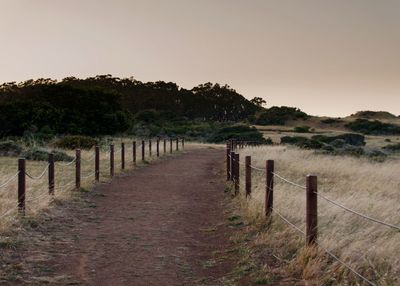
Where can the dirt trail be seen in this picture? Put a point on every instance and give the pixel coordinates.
(162, 224)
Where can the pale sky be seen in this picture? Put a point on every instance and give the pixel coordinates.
(327, 57)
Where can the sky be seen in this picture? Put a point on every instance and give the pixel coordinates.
(327, 57)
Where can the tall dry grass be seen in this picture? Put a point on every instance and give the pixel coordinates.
(37, 197)
(369, 187)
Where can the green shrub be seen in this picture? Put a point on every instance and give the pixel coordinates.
(279, 115)
(76, 142)
(240, 132)
(375, 127)
(392, 147)
(349, 138)
(302, 129)
(10, 148)
(302, 142)
(331, 120)
(40, 154)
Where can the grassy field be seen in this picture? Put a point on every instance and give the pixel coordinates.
(37, 197)
(363, 185)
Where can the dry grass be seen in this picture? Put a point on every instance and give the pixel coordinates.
(369, 187)
(37, 197)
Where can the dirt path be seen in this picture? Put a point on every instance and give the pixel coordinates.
(162, 224)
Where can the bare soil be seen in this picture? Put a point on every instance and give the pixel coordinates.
(161, 224)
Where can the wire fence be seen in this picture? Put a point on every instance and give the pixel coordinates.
(311, 227)
(67, 176)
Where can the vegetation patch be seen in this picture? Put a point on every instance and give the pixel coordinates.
(10, 148)
(76, 142)
(278, 115)
(374, 127)
(240, 132)
(302, 129)
(41, 154)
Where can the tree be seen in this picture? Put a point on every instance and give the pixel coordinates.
(258, 101)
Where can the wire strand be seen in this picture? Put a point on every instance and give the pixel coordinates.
(9, 180)
(66, 164)
(40, 176)
(289, 182)
(357, 213)
(346, 265)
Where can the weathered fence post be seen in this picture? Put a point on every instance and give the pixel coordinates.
(165, 145)
(149, 147)
(78, 169)
(237, 175)
(112, 160)
(183, 142)
(122, 156)
(170, 145)
(97, 163)
(158, 147)
(21, 185)
(232, 164)
(51, 174)
(143, 150)
(248, 176)
(311, 210)
(177, 143)
(228, 163)
(269, 187)
(134, 152)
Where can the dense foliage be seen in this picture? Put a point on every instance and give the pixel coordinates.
(374, 127)
(278, 115)
(107, 105)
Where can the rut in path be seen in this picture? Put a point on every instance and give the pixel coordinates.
(159, 225)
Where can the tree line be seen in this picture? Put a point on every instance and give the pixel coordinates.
(104, 104)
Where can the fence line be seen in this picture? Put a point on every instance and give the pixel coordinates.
(22, 173)
(311, 199)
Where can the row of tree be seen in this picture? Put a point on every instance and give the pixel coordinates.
(107, 105)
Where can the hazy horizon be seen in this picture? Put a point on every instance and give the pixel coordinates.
(325, 57)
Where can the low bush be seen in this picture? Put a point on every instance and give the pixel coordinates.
(392, 147)
(76, 142)
(10, 148)
(240, 132)
(279, 115)
(349, 138)
(302, 142)
(302, 129)
(374, 127)
(40, 154)
(331, 120)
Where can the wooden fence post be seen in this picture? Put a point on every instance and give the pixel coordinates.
(158, 147)
(134, 153)
(177, 143)
(78, 169)
(97, 163)
(183, 142)
(149, 147)
(232, 164)
(237, 175)
(248, 176)
(122, 156)
(51, 174)
(143, 150)
(165, 145)
(269, 187)
(170, 145)
(311, 210)
(21, 185)
(112, 160)
(228, 163)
